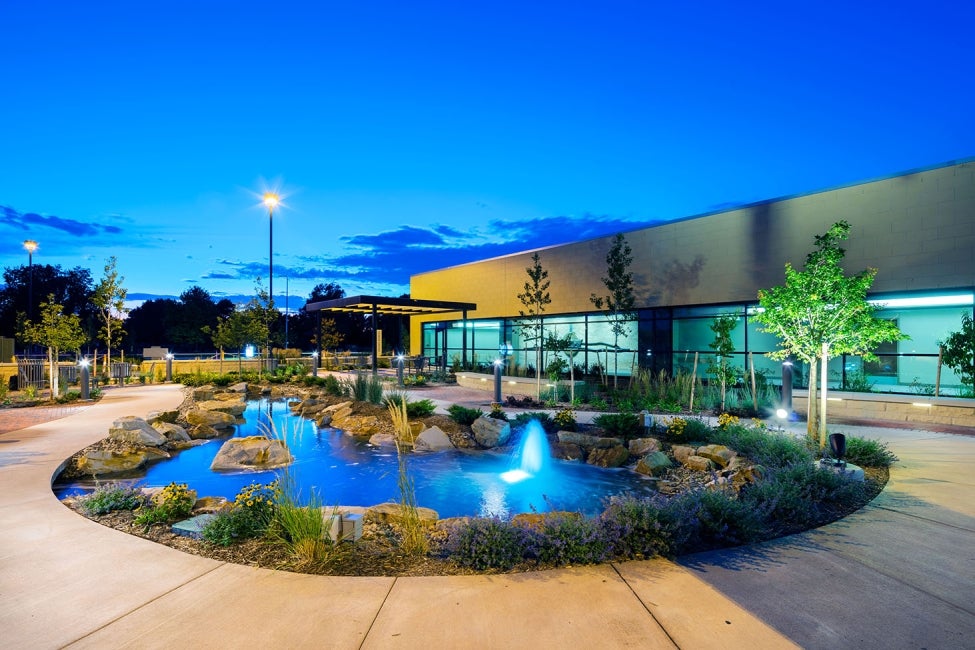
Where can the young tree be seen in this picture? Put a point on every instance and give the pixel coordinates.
(821, 312)
(959, 351)
(569, 345)
(109, 297)
(723, 347)
(234, 332)
(56, 331)
(620, 300)
(534, 299)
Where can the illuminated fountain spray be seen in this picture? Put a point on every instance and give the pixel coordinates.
(532, 456)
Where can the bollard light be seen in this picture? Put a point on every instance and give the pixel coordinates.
(399, 370)
(787, 388)
(498, 366)
(314, 363)
(169, 366)
(85, 380)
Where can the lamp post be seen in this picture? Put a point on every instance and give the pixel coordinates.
(31, 246)
(271, 200)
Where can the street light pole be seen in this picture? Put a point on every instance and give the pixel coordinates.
(31, 246)
(271, 201)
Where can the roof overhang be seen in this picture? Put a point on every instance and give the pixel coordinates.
(394, 306)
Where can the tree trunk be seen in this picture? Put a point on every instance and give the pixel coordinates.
(690, 406)
(538, 374)
(751, 360)
(822, 399)
(811, 422)
(722, 386)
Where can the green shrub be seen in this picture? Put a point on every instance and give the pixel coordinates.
(419, 409)
(638, 527)
(301, 530)
(486, 543)
(111, 496)
(571, 539)
(173, 503)
(332, 386)
(801, 496)
(619, 425)
(463, 415)
(869, 453)
(717, 519)
(565, 419)
(765, 447)
(696, 429)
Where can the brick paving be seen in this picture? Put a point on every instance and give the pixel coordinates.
(16, 418)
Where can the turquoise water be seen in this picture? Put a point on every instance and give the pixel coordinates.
(344, 471)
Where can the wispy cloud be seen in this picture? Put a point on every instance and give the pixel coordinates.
(28, 221)
(383, 262)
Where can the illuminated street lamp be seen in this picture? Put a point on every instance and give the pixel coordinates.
(31, 246)
(271, 200)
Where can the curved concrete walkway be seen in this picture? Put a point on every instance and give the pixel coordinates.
(898, 574)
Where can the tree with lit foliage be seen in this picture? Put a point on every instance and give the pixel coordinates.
(958, 351)
(534, 299)
(56, 331)
(619, 302)
(820, 312)
(109, 298)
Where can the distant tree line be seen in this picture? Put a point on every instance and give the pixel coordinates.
(193, 323)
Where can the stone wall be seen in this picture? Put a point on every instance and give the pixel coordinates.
(911, 409)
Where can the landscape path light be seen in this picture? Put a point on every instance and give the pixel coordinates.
(271, 201)
(85, 379)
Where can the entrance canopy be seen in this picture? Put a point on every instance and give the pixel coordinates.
(395, 306)
(377, 305)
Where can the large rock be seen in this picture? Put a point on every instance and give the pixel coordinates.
(162, 416)
(101, 462)
(393, 512)
(382, 440)
(172, 432)
(359, 426)
(491, 432)
(203, 432)
(608, 456)
(432, 439)
(654, 464)
(240, 387)
(698, 463)
(252, 452)
(643, 446)
(135, 431)
(202, 394)
(233, 407)
(587, 441)
(567, 451)
(682, 452)
(215, 419)
(718, 454)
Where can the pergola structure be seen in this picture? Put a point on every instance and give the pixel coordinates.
(378, 305)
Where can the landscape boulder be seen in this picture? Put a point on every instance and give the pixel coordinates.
(135, 431)
(172, 432)
(698, 463)
(682, 452)
(567, 451)
(393, 512)
(252, 452)
(643, 446)
(655, 463)
(162, 416)
(102, 462)
(587, 441)
(216, 419)
(233, 407)
(608, 456)
(432, 439)
(491, 432)
(718, 454)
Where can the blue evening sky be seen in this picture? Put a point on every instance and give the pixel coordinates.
(410, 136)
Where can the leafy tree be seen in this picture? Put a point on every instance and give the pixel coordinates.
(148, 324)
(821, 312)
(72, 289)
(233, 332)
(569, 345)
(109, 297)
(723, 347)
(56, 331)
(620, 300)
(534, 299)
(958, 351)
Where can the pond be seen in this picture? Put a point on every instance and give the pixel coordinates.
(346, 471)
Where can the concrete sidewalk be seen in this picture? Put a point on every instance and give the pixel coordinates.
(906, 562)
